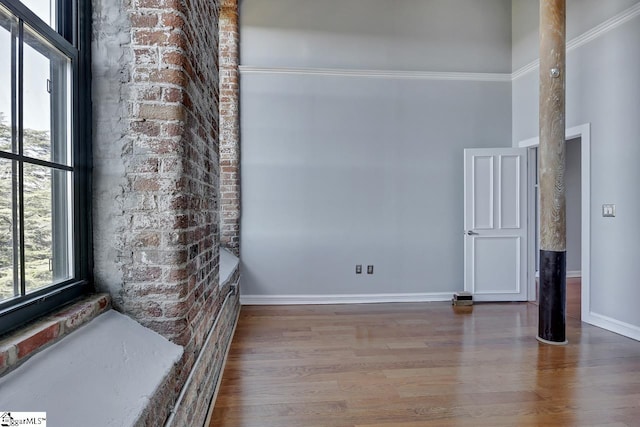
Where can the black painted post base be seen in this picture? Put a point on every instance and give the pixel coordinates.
(553, 296)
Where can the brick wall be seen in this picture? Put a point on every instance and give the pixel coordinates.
(156, 171)
(229, 126)
(192, 409)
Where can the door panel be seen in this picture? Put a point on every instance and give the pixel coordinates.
(483, 185)
(509, 192)
(496, 262)
(495, 224)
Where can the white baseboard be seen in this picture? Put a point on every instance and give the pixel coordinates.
(342, 299)
(613, 325)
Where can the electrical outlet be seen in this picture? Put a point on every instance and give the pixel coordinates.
(369, 269)
(358, 268)
(609, 210)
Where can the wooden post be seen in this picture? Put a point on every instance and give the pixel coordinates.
(553, 235)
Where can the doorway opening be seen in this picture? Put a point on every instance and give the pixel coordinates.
(578, 220)
(574, 223)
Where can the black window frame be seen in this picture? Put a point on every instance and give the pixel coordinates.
(73, 38)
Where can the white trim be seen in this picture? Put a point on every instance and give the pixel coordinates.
(525, 69)
(387, 74)
(613, 325)
(532, 291)
(529, 143)
(605, 27)
(342, 299)
(587, 36)
(584, 133)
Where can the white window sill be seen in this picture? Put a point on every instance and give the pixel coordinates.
(103, 374)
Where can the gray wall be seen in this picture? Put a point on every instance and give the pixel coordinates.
(430, 35)
(338, 171)
(603, 89)
(582, 15)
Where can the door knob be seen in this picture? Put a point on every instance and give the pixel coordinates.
(471, 233)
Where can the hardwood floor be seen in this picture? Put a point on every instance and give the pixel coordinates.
(427, 364)
(574, 299)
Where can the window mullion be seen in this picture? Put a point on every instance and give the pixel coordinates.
(15, 207)
(59, 195)
(20, 111)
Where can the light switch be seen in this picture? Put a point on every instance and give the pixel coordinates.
(609, 210)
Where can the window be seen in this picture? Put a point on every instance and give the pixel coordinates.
(45, 141)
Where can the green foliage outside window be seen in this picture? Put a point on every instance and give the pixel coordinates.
(37, 189)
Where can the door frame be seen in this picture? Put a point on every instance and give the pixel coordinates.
(584, 133)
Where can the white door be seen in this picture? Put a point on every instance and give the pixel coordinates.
(495, 224)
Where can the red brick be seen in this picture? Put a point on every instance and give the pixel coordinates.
(146, 184)
(172, 20)
(143, 274)
(143, 20)
(146, 128)
(103, 303)
(169, 76)
(146, 239)
(149, 94)
(173, 129)
(170, 94)
(38, 340)
(77, 315)
(150, 37)
(178, 274)
(161, 112)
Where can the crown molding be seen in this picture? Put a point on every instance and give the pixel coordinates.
(597, 31)
(385, 74)
(584, 38)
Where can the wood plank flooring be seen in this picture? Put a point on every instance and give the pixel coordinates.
(574, 287)
(426, 364)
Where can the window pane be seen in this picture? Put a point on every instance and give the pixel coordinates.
(8, 49)
(47, 241)
(45, 101)
(9, 261)
(45, 9)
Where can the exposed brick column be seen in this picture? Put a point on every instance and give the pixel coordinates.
(156, 182)
(229, 126)
(156, 162)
